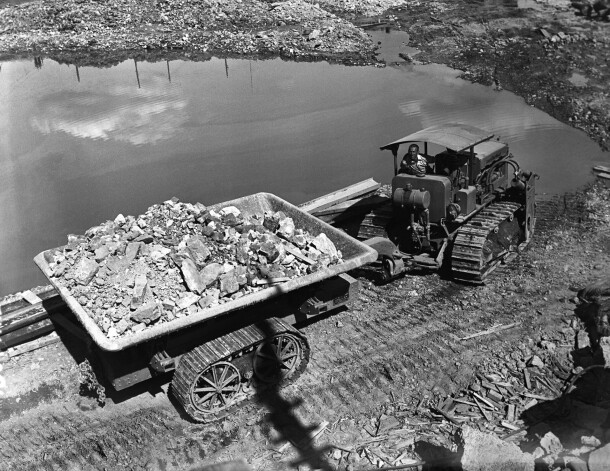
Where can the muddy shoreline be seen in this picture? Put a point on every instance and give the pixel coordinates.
(557, 61)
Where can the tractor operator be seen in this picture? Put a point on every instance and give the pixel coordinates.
(413, 162)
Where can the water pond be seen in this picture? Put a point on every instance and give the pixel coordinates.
(81, 145)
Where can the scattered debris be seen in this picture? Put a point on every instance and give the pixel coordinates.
(484, 451)
(491, 330)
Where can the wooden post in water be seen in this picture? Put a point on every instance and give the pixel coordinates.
(251, 83)
(137, 74)
(226, 67)
(169, 75)
(77, 74)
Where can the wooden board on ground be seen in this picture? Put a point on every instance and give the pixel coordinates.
(34, 344)
(348, 208)
(16, 301)
(601, 169)
(25, 334)
(365, 187)
(30, 314)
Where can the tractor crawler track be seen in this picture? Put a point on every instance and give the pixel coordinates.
(226, 348)
(467, 254)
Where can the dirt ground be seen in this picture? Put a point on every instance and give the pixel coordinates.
(379, 370)
(389, 360)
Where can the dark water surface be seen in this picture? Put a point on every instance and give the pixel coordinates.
(81, 146)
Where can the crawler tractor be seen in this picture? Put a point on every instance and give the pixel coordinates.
(466, 215)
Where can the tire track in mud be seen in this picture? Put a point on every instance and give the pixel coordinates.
(75, 441)
(382, 356)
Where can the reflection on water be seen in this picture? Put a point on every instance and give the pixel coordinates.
(532, 4)
(81, 145)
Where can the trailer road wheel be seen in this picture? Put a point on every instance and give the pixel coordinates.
(215, 388)
(277, 359)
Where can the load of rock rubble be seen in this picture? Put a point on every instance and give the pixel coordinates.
(180, 258)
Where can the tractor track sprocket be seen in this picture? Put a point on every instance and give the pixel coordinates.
(208, 367)
(483, 242)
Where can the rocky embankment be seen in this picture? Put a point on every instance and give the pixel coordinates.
(556, 60)
(293, 29)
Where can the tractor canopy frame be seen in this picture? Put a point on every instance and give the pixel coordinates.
(454, 136)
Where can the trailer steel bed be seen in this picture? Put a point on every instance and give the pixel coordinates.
(355, 254)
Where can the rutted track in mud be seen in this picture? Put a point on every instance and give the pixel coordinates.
(395, 350)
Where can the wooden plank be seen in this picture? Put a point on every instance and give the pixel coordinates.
(30, 297)
(603, 176)
(26, 334)
(526, 376)
(362, 203)
(353, 191)
(34, 345)
(601, 168)
(29, 315)
(297, 253)
(13, 302)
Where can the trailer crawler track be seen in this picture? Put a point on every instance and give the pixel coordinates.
(482, 243)
(233, 355)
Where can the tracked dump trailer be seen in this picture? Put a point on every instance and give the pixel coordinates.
(224, 354)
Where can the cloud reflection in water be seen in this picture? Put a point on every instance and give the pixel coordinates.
(119, 113)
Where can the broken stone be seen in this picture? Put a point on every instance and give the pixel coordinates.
(210, 273)
(228, 284)
(286, 228)
(139, 290)
(145, 238)
(315, 34)
(132, 250)
(198, 251)
(538, 452)
(230, 210)
(551, 444)
(487, 452)
(122, 326)
(147, 314)
(168, 304)
(61, 268)
(599, 459)
(158, 252)
(270, 251)
(582, 339)
(101, 253)
(115, 315)
(85, 270)
(271, 221)
(590, 441)
(574, 463)
(191, 276)
(325, 245)
(535, 361)
(187, 300)
(211, 298)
